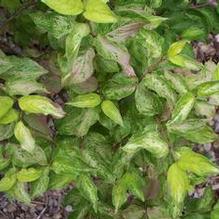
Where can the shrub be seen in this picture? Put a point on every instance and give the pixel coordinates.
(108, 95)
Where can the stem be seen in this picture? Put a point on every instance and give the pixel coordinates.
(152, 67)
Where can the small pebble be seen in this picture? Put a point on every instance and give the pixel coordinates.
(69, 208)
(58, 216)
(11, 208)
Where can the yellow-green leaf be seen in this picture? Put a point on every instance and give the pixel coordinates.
(111, 111)
(88, 189)
(196, 163)
(208, 88)
(176, 48)
(8, 180)
(86, 101)
(66, 7)
(99, 12)
(185, 62)
(183, 107)
(6, 104)
(24, 136)
(41, 105)
(178, 185)
(11, 116)
(119, 194)
(28, 175)
(149, 140)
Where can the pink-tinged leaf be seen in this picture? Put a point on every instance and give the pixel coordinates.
(117, 54)
(82, 69)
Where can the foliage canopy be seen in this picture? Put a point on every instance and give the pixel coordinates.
(108, 95)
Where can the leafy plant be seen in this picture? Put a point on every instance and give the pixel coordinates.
(108, 95)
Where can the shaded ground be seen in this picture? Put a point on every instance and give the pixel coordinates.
(47, 207)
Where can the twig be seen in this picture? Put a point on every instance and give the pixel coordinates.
(200, 5)
(2, 213)
(17, 13)
(152, 67)
(41, 213)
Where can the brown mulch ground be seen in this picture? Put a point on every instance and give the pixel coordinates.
(47, 207)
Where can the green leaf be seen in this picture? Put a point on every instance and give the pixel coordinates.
(194, 130)
(5, 64)
(10, 5)
(156, 83)
(68, 159)
(24, 87)
(176, 48)
(18, 192)
(119, 87)
(119, 194)
(203, 204)
(158, 212)
(147, 103)
(215, 212)
(195, 163)
(97, 154)
(41, 105)
(82, 69)
(204, 108)
(6, 104)
(85, 101)
(8, 181)
(28, 175)
(135, 184)
(216, 73)
(208, 88)
(197, 216)
(60, 181)
(145, 49)
(155, 4)
(177, 81)
(88, 189)
(112, 51)
(133, 211)
(178, 184)
(24, 136)
(77, 121)
(66, 7)
(149, 140)
(4, 161)
(47, 23)
(194, 33)
(90, 85)
(6, 131)
(22, 158)
(105, 65)
(40, 185)
(111, 111)
(73, 40)
(23, 69)
(99, 12)
(11, 116)
(182, 109)
(185, 62)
